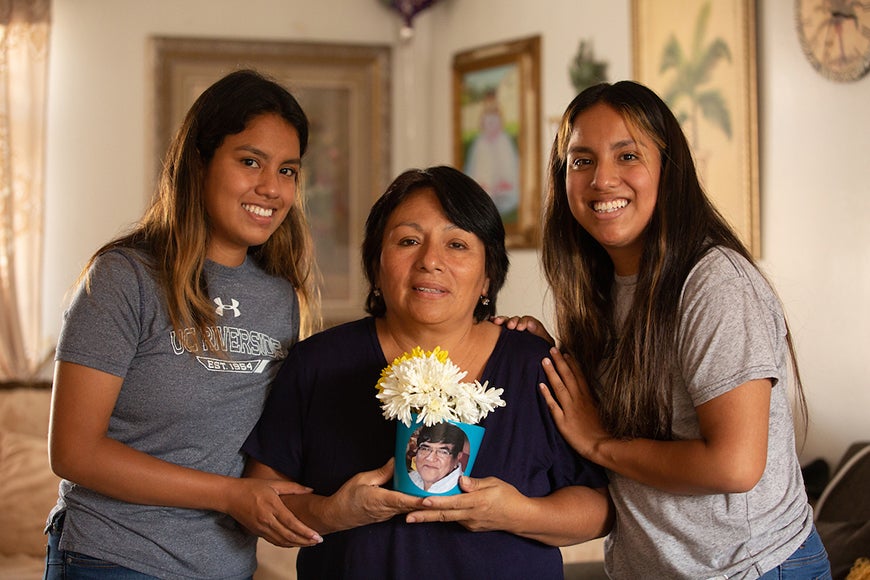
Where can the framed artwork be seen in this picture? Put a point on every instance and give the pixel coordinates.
(699, 56)
(496, 128)
(344, 90)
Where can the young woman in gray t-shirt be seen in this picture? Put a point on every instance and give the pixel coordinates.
(675, 372)
(168, 349)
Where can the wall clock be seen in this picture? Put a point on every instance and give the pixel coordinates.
(835, 36)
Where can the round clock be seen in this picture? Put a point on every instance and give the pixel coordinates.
(835, 35)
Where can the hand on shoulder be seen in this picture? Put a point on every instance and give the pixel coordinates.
(525, 323)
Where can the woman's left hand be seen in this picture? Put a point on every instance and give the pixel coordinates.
(566, 516)
(485, 506)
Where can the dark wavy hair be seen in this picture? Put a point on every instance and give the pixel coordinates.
(443, 433)
(466, 205)
(636, 399)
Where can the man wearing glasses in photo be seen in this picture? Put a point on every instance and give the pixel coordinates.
(437, 459)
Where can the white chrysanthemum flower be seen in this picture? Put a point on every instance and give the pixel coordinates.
(429, 384)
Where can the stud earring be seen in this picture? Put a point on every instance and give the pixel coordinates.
(376, 292)
(484, 300)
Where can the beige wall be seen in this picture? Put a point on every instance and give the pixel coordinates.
(814, 135)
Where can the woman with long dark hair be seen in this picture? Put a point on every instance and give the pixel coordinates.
(169, 346)
(675, 375)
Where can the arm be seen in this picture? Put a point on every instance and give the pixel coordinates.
(81, 451)
(569, 515)
(729, 457)
(360, 501)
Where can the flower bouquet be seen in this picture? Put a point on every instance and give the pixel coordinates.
(437, 432)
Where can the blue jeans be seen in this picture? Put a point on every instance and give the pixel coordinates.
(64, 565)
(809, 562)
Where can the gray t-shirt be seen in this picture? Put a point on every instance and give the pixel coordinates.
(191, 410)
(732, 330)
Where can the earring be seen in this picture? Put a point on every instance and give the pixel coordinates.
(376, 292)
(484, 300)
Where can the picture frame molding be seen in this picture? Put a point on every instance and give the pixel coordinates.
(729, 171)
(525, 53)
(182, 67)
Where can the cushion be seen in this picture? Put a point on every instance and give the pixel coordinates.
(861, 570)
(845, 542)
(28, 491)
(25, 410)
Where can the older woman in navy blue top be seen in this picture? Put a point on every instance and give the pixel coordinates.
(435, 260)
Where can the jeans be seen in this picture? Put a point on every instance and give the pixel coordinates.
(64, 565)
(809, 562)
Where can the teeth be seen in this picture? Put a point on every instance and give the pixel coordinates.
(429, 290)
(257, 210)
(609, 206)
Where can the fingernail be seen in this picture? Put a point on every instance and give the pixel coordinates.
(317, 538)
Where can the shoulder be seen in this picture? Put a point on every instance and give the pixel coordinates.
(517, 358)
(720, 264)
(722, 270)
(121, 270)
(724, 288)
(516, 342)
(123, 259)
(349, 336)
(338, 355)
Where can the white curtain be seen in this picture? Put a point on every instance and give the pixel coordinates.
(24, 40)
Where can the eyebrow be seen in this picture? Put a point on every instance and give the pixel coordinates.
(613, 147)
(418, 227)
(261, 153)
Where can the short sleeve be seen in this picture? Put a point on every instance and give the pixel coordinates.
(102, 325)
(729, 327)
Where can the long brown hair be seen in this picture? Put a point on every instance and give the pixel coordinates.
(638, 362)
(174, 230)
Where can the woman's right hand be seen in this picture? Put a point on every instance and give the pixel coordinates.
(529, 323)
(257, 505)
(362, 500)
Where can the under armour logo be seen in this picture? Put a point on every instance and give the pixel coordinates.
(221, 307)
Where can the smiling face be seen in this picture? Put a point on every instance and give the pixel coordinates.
(250, 186)
(431, 271)
(612, 180)
(434, 461)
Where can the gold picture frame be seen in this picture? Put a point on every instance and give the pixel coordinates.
(345, 92)
(700, 57)
(496, 130)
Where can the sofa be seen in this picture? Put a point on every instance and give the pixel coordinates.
(842, 515)
(28, 490)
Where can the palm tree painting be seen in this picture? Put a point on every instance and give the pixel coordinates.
(699, 56)
(690, 94)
